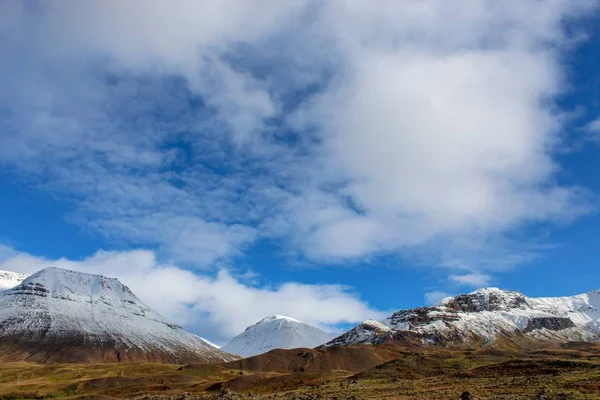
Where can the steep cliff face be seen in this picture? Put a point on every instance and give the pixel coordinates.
(549, 323)
(483, 317)
(487, 300)
(67, 316)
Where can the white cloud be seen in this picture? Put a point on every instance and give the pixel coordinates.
(440, 127)
(593, 126)
(415, 125)
(435, 296)
(475, 279)
(217, 307)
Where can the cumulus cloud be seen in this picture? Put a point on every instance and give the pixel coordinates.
(593, 126)
(342, 130)
(217, 307)
(441, 127)
(477, 280)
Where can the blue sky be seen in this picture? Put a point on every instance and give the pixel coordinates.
(331, 161)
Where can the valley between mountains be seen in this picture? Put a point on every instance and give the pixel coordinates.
(75, 335)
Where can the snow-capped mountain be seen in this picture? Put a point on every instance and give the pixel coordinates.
(275, 332)
(61, 315)
(485, 317)
(10, 279)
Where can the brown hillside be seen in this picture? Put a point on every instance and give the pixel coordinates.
(76, 351)
(354, 359)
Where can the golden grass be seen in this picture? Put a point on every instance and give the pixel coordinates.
(437, 374)
(69, 380)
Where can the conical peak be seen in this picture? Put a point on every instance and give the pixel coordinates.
(276, 318)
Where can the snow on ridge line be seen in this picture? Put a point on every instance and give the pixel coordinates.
(13, 273)
(84, 283)
(376, 324)
(486, 314)
(216, 346)
(277, 317)
(9, 279)
(51, 274)
(64, 302)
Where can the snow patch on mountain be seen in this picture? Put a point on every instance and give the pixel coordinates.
(10, 279)
(276, 318)
(363, 333)
(275, 332)
(485, 315)
(61, 305)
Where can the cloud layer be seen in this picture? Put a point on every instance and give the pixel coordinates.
(340, 130)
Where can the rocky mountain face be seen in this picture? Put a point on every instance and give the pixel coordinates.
(485, 317)
(276, 332)
(57, 315)
(10, 279)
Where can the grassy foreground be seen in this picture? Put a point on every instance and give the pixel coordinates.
(565, 373)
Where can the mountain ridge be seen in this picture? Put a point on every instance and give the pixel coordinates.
(58, 315)
(483, 317)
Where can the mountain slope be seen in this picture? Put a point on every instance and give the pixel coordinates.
(275, 332)
(58, 315)
(484, 318)
(9, 279)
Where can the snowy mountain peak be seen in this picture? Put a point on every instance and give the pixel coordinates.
(490, 289)
(94, 317)
(483, 295)
(82, 287)
(77, 283)
(275, 332)
(487, 299)
(488, 292)
(483, 316)
(276, 318)
(10, 279)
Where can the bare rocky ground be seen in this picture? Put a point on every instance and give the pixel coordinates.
(567, 372)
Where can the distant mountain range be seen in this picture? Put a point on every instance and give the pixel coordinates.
(276, 332)
(486, 317)
(57, 315)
